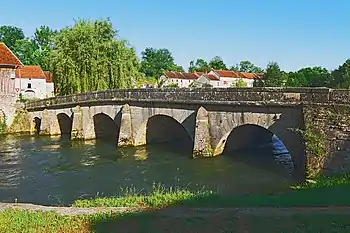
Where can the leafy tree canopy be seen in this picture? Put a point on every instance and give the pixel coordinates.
(247, 66)
(155, 61)
(89, 57)
(10, 35)
(274, 76)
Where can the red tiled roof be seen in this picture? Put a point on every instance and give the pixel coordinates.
(211, 77)
(227, 73)
(30, 72)
(199, 73)
(48, 76)
(7, 57)
(180, 75)
(235, 74)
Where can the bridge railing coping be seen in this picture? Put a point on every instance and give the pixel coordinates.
(318, 95)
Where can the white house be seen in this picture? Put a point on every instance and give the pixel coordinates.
(182, 79)
(32, 82)
(216, 78)
(228, 78)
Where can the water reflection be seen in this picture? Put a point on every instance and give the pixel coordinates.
(54, 170)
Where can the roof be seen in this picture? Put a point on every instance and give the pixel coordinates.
(34, 72)
(228, 73)
(211, 77)
(49, 76)
(236, 74)
(181, 75)
(7, 57)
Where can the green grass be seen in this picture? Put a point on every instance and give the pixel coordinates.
(327, 191)
(308, 194)
(130, 197)
(14, 221)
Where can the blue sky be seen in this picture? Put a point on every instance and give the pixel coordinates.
(294, 33)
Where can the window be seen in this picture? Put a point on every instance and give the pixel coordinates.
(29, 85)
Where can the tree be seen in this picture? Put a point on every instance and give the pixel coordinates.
(199, 66)
(89, 57)
(10, 35)
(239, 83)
(247, 66)
(309, 77)
(340, 78)
(155, 61)
(43, 37)
(274, 76)
(217, 63)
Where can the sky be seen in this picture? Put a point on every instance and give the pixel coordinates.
(294, 33)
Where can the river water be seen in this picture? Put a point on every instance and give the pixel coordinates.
(57, 171)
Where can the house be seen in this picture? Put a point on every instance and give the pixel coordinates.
(215, 78)
(8, 65)
(181, 79)
(50, 88)
(229, 78)
(207, 80)
(33, 83)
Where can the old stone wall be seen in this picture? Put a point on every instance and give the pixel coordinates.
(327, 132)
(8, 106)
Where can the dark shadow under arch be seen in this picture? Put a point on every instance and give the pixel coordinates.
(37, 124)
(106, 128)
(259, 147)
(65, 123)
(165, 130)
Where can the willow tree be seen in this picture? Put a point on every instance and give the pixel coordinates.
(90, 57)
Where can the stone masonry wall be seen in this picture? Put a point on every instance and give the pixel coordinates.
(328, 138)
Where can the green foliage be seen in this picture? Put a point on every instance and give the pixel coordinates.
(155, 61)
(274, 76)
(309, 77)
(217, 63)
(10, 35)
(239, 83)
(315, 142)
(247, 66)
(341, 76)
(199, 66)
(3, 125)
(89, 57)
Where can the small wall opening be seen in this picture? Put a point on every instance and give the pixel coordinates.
(166, 131)
(259, 148)
(37, 124)
(65, 123)
(106, 128)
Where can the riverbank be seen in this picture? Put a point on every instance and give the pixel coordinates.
(179, 210)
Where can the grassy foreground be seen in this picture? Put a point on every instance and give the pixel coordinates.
(327, 191)
(30, 222)
(305, 195)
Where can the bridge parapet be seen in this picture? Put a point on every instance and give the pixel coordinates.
(202, 95)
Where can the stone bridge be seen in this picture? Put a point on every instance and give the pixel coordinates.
(312, 123)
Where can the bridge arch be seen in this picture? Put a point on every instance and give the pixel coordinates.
(107, 128)
(65, 123)
(37, 124)
(164, 128)
(264, 141)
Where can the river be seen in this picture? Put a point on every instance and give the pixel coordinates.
(57, 171)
